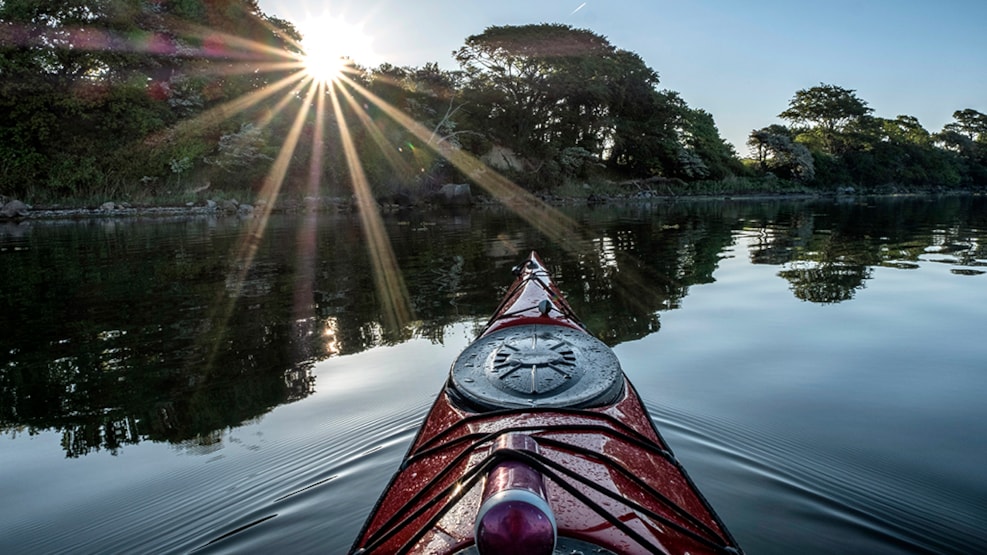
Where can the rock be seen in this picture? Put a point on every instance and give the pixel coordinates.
(228, 205)
(107, 206)
(502, 158)
(211, 204)
(13, 209)
(455, 194)
(402, 199)
(245, 210)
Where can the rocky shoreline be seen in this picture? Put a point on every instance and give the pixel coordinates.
(16, 210)
(21, 212)
(12, 210)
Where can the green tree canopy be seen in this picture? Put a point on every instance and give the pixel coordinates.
(646, 123)
(830, 109)
(776, 151)
(563, 94)
(971, 123)
(906, 130)
(966, 137)
(702, 139)
(538, 83)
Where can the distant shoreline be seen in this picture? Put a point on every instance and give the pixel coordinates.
(344, 205)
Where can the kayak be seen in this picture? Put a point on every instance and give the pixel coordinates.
(538, 444)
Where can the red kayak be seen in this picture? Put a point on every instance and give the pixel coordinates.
(538, 444)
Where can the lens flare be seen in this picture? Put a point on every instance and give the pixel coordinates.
(311, 75)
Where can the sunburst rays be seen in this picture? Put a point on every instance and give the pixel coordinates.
(341, 93)
(540, 215)
(387, 276)
(318, 100)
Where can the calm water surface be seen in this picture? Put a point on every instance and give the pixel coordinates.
(820, 368)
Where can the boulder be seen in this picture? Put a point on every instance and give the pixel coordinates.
(245, 210)
(502, 158)
(455, 194)
(107, 206)
(401, 198)
(13, 209)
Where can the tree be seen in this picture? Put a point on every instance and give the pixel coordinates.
(568, 98)
(829, 110)
(702, 138)
(88, 87)
(776, 151)
(970, 123)
(905, 130)
(967, 139)
(533, 85)
(397, 158)
(645, 123)
(71, 91)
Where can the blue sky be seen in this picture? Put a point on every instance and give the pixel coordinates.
(740, 61)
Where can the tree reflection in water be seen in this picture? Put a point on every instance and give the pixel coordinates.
(112, 337)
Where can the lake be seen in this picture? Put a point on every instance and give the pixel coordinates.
(221, 385)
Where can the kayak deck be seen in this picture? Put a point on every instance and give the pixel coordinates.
(611, 483)
(536, 395)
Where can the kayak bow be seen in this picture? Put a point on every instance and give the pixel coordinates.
(538, 443)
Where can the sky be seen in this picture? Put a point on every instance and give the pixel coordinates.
(740, 61)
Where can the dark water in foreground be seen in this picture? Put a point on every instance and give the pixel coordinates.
(819, 368)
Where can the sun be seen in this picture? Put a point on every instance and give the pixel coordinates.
(323, 65)
(331, 44)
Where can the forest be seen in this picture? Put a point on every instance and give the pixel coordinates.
(169, 101)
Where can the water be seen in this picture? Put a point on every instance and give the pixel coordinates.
(818, 367)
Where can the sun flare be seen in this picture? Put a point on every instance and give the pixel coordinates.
(330, 44)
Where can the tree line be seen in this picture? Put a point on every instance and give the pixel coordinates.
(834, 139)
(155, 99)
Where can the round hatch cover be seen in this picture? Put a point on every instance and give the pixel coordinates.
(537, 365)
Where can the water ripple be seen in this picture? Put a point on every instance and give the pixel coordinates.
(324, 493)
(826, 490)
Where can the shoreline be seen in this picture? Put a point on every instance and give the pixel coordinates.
(233, 208)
